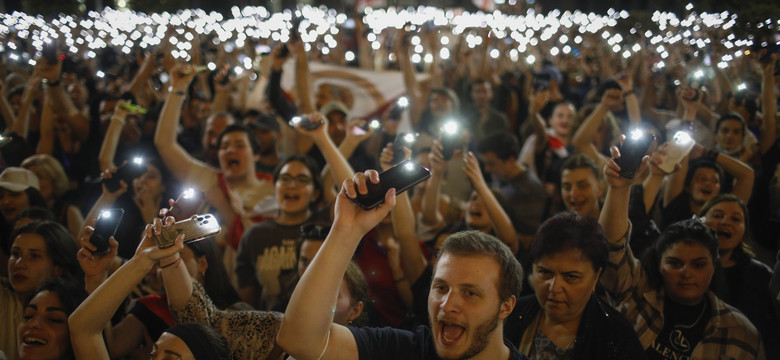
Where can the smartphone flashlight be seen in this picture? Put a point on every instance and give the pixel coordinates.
(450, 127)
(105, 214)
(374, 124)
(187, 194)
(403, 101)
(409, 138)
(530, 59)
(138, 160)
(742, 87)
(636, 134)
(682, 137)
(295, 121)
(698, 74)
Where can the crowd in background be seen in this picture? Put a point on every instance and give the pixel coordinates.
(519, 119)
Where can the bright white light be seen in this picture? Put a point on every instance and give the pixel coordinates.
(428, 58)
(105, 214)
(451, 127)
(682, 137)
(495, 53)
(403, 101)
(211, 66)
(409, 166)
(409, 138)
(374, 124)
(188, 194)
(698, 74)
(636, 134)
(100, 74)
(530, 59)
(349, 56)
(444, 53)
(138, 160)
(741, 87)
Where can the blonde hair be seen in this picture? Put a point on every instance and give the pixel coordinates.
(47, 167)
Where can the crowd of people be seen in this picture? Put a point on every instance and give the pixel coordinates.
(548, 228)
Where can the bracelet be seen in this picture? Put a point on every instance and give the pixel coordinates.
(53, 83)
(171, 264)
(402, 278)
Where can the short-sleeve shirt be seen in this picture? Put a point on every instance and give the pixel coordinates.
(392, 344)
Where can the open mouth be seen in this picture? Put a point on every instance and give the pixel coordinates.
(233, 162)
(706, 192)
(475, 213)
(724, 234)
(291, 197)
(34, 341)
(451, 333)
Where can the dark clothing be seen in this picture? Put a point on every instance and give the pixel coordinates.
(360, 159)
(420, 290)
(152, 311)
(283, 107)
(644, 231)
(394, 344)
(678, 338)
(603, 332)
(678, 209)
(128, 233)
(745, 287)
(526, 197)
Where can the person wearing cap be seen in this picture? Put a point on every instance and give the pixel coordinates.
(19, 190)
(267, 132)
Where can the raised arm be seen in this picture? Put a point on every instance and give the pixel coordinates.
(183, 166)
(583, 137)
(676, 183)
(62, 103)
(413, 93)
(87, 322)
(631, 100)
(21, 125)
(111, 140)
(308, 331)
(768, 106)
(742, 173)
(431, 216)
(624, 271)
(502, 225)
(412, 260)
(46, 130)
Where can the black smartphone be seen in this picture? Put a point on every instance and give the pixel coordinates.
(127, 172)
(450, 139)
(105, 227)
(305, 122)
(633, 149)
(401, 177)
(402, 140)
(187, 204)
(49, 52)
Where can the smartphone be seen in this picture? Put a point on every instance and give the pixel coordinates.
(132, 108)
(403, 139)
(450, 139)
(694, 86)
(373, 124)
(401, 177)
(631, 152)
(49, 52)
(105, 227)
(187, 204)
(295, 31)
(5, 140)
(194, 229)
(398, 108)
(127, 172)
(681, 145)
(305, 122)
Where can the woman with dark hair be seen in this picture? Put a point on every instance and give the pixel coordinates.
(40, 250)
(265, 262)
(565, 319)
(732, 138)
(666, 296)
(205, 265)
(43, 333)
(744, 281)
(185, 341)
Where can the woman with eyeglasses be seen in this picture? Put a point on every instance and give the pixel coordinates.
(266, 259)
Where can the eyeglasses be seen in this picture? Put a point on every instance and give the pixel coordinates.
(287, 179)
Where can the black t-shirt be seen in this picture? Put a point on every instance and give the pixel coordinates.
(392, 344)
(683, 329)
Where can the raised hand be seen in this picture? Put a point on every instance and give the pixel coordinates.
(351, 217)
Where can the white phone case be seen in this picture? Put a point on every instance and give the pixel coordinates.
(680, 146)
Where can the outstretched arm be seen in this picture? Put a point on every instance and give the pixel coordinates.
(86, 323)
(502, 225)
(308, 331)
(768, 106)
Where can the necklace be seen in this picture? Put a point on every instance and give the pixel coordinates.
(703, 307)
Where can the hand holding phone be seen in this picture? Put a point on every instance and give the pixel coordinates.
(127, 172)
(450, 139)
(186, 205)
(672, 152)
(305, 122)
(105, 227)
(402, 140)
(633, 149)
(400, 177)
(195, 228)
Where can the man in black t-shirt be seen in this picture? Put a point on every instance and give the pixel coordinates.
(475, 284)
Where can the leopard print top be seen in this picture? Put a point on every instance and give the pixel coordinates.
(249, 334)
